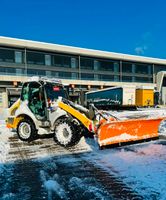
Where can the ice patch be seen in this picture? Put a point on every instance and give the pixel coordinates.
(88, 189)
(9, 196)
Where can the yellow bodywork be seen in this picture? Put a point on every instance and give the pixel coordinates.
(81, 117)
(12, 121)
(144, 97)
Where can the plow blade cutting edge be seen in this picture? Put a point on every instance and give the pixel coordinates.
(114, 132)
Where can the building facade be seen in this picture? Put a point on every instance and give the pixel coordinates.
(82, 69)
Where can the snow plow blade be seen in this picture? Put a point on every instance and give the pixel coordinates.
(116, 132)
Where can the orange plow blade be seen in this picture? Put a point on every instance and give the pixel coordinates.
(115, 132)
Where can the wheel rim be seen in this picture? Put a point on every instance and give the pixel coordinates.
(63, 133)
(24, 130)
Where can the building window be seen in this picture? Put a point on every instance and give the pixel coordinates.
(6, 55)
(104, 77)
(48, 60)
(74, 63)
(106, 66)
(62, 61)
(41, 72)
(2, 70)
(127, 78)
(144, 79)
(87, 63)
(74, 75)
(143, 69)
(7, 71)
(116, 67)
(35, 58)
(36, 72)
(10, 70)
(126, 67)
(65, 75)
(158, 68)
(18, 57)
(96, 77)
(85, 76)
(19, 71)
(55, 74)
(96, 65)
(48, 73)
(31, 72)
(116, 78)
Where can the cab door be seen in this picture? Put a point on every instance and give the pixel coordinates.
(32, 92)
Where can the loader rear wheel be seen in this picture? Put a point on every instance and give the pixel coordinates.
(26, 130)
(67, 133)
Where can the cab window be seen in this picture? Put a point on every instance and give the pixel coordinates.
(54, 91)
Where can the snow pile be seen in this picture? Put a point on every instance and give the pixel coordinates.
(4, 113)
(148, 113)
(122, 137)
(4, 144)
(52, 186)
(162, 128)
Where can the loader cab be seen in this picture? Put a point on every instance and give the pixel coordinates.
(33, 94)
(38, 94)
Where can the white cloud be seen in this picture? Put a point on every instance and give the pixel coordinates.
(144, 43)
(140, 50)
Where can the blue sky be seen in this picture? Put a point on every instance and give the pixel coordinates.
(124, 26)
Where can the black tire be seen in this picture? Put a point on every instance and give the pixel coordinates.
(26, 130)
(67, 133)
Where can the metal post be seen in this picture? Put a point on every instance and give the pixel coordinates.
(153, 74)
(25, 62)
(120, 70)
(79, 68)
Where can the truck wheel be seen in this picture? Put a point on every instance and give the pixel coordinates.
(66, 133)
(26, 130)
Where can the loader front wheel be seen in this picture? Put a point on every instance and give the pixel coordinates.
(26, 130)
(66, 133)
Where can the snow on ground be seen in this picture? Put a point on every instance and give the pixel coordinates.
(4, 144)
(142, 166)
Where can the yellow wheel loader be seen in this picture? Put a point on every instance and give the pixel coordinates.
(43, 108)
(37, 112)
